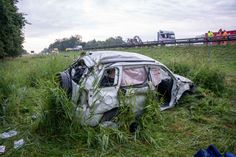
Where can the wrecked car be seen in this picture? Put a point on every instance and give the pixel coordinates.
(94, 80)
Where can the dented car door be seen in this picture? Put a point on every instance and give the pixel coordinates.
(134, 85)
(104, 97)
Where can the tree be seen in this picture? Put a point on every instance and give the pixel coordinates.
(64, 43)
(76, 40)
(114, 41)
(93, 43)
(11, 24)
(117, 41)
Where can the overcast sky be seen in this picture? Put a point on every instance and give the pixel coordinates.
(100, 19)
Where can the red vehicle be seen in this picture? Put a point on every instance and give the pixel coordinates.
(216, 36)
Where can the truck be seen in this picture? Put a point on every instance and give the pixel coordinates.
(165, 37)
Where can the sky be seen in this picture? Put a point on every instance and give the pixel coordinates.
(101, 19)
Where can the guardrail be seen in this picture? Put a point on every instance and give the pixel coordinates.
(185, 41)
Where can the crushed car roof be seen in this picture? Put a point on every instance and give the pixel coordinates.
(103, 57)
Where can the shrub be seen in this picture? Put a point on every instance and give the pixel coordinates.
(180, 68)
(210, 78)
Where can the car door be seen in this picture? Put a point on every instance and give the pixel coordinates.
(105, 96)
(134, 85)
(165, 84)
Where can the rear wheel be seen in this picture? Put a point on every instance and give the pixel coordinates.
(65, 82)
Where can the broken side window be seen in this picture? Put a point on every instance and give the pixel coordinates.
(109, 78)
(133, 76)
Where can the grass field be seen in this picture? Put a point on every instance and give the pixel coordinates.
(32, 104)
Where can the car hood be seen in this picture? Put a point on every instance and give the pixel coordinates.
(182, 79)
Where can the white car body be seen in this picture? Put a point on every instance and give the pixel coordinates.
(135, 74)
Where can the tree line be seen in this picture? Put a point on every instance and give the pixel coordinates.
(74, 41)
(11, 24)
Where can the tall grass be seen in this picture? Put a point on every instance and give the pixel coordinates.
(32, 103)
(208, 77)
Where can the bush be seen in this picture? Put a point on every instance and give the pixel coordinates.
(210, 78)
(207, 77)
(180, 68)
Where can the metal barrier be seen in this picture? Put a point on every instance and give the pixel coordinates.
(185, 41)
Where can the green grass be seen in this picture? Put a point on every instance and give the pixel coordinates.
(28, 90)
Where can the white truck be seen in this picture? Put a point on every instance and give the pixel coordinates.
(165, 37)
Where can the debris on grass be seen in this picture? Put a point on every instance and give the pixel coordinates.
(18, 144)
(8, 134)
(2, 149)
